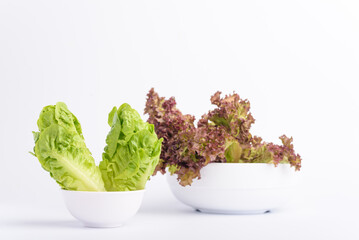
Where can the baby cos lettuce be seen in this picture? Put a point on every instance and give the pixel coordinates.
(130, 157)
(61, 150)
(132, 151)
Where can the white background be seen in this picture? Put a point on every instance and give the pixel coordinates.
(296, 61)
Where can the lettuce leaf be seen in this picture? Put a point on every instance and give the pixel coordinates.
(61, 150)
(180, 152)
(132, 151)
(221, 135)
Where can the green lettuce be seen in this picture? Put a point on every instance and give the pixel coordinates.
(61, 150)
(132, 151)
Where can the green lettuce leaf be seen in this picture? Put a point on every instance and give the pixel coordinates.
(61, 150)
(132, 151)
(246, 153)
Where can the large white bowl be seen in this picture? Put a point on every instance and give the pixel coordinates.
(238, 188)
(103, 209)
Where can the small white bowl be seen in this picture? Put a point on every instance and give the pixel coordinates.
(103, 209)
(238, 188)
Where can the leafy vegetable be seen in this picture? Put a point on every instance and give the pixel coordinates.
(178, 132)
(132, 151)
(221, 135)
(61, 150)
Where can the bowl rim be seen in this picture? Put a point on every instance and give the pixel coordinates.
(103, 192)
(220, 163)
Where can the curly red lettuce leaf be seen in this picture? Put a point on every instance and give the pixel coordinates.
(285, 153)
(178, 131)
(229, 122)
(233, 114)
(221, 135)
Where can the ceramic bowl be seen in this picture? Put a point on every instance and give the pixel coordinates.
(103, 209)
(238, 188)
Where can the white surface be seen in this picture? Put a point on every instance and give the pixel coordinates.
(296, 61)
(238, 188)
(321, 214)
(103, 209)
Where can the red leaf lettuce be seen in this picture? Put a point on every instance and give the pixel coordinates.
(221, 135)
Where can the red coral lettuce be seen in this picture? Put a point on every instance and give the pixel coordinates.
(221, 135)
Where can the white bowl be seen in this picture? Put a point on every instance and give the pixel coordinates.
(103, 209)
(238, 188)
